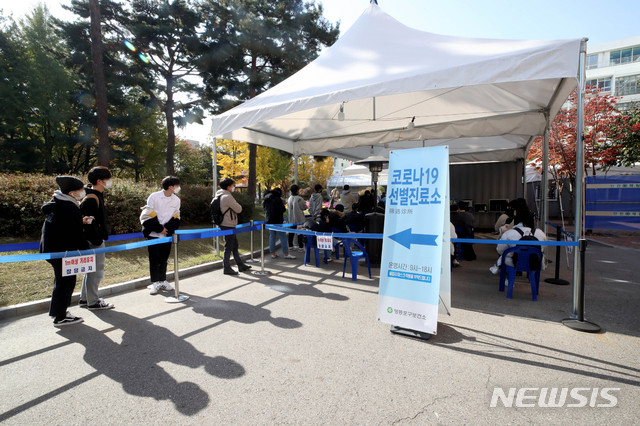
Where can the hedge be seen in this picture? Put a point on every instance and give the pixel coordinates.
(24, 195)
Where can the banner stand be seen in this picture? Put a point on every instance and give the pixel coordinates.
(261, 272)
(410, 333)
(251, 259)
(579, 323)
(178, 297)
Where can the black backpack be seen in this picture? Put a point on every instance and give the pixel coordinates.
(534, 259)
(216, 211)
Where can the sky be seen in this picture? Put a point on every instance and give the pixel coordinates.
(598, 20)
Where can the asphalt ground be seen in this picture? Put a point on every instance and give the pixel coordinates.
(303, 346)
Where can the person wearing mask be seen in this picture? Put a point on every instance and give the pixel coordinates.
(63, 231)
(274, 215)
(524, 226)
(230, 209)
(367, 202)
(315, 202)
(97, 232)
(160, 218)
(347, 199)
(296, 206)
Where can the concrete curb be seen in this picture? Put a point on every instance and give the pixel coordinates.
(39, 306)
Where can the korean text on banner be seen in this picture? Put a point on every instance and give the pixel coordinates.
(410, 272)
(325, 242)
(78, 265)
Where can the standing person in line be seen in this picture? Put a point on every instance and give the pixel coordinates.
(97, 232)
(274, 214)
(63, 231)
(296, 206)
(335, 196)
(315, 202)
(347, 199)
(230, 209)
(160, 218)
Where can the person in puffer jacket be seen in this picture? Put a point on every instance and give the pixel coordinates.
(63, 231)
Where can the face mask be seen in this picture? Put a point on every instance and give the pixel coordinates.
(108, 184)
(233, 188)
(176, 189)
(79, 195)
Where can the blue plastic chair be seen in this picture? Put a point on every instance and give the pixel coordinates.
(310, 244)
(524, 254)
(354, 256)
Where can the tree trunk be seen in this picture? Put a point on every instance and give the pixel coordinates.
(99, 84)
(171, 131)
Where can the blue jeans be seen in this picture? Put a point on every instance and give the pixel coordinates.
(283, 241)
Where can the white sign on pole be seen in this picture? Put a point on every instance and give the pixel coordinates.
(78, 265)
(325, 242)
(414, 237)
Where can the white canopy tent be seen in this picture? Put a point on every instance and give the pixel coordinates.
(385, 86)
(382, 74)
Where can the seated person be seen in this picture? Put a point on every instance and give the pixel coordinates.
(355, 218)
(463, 222)
(524, 226)
(321, 223)
(505, 221)
(454, 261)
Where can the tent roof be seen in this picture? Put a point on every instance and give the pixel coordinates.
(384, 73)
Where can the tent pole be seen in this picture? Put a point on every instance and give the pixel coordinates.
(295, 169)
(544, 199)
(214, 161)
(576, 320)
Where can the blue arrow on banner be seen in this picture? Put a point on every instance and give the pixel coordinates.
(406, 238)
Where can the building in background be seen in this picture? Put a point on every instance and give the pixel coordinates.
(614, 66)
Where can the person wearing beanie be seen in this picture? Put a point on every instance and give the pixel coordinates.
(97, 233)
(63, 231)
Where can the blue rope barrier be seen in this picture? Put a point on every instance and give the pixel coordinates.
(566, 233)
(36, 245)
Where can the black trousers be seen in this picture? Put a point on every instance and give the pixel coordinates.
(158, 256)
(62, 290)
(231, 247)
(300, 239)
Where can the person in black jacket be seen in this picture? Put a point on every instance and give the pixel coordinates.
(63, 231)
(97, 232)
(274, 214)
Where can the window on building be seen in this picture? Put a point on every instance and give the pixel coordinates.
(592, 61)
(624, 56)
(601, 83)
(628, 85)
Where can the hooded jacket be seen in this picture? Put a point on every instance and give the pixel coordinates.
(93, 205)
(62, 229)
(315, 204)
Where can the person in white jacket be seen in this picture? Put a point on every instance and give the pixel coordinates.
(524, 226)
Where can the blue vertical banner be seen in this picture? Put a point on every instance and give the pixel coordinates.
(414, 238)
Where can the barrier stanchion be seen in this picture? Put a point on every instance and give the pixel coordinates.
(176, 279)
(557, 280)
(262, 271)
(579, 323)
(251, 259)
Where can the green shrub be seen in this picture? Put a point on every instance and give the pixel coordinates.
(24, 195)
(247, 206)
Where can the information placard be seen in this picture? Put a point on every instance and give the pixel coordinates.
(325, 242)
(78, 265)
(414, 238)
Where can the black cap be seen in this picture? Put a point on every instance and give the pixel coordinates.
(68, 183)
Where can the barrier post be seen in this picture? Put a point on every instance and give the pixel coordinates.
(251, 259)
(261, 271)
(579, 323)
(176, 279)
(557, 280)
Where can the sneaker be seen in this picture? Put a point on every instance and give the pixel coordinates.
(67, 320)
(155, 287)
(100, 306)
(329, 259)
(274, 256)
(455, 262)
(288, 256)
(164, 285)
(82, 303)
(494, 270)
